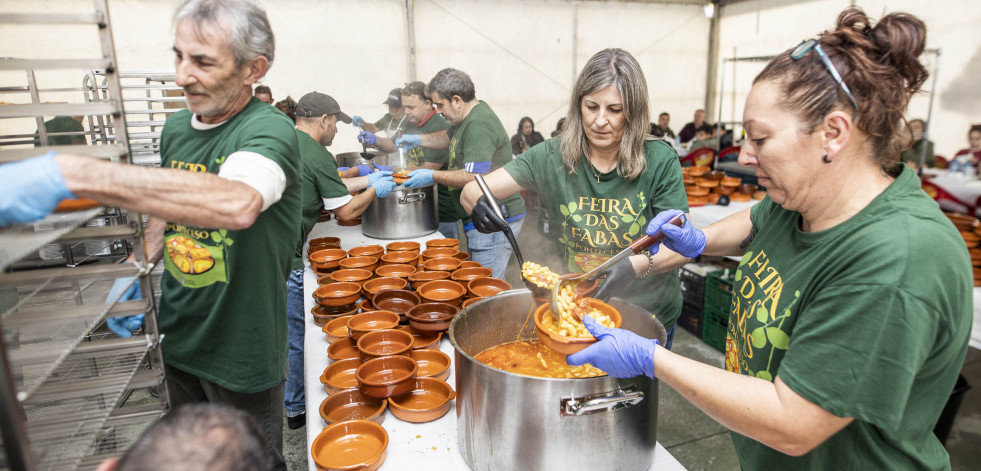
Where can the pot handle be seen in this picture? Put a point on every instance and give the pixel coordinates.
(596, 404)
(413, 197)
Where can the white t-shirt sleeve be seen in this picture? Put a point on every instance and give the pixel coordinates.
(259, 172)
(334, 203)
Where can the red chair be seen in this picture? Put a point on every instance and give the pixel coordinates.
(699, 157)
(939, 194)
(942, 162)
(730, 153)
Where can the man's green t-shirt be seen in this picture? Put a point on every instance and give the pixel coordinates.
(62, 124)
(223, 292)
(869, 319)
(913, 154)
(480, 144)
(598, 219)
(388, 124)
(420, 155)
(320, 180)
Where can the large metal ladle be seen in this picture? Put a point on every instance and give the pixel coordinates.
(638, 246)
(510, 235)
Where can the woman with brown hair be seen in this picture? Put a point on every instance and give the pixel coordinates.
(601, 180)
(851, 308)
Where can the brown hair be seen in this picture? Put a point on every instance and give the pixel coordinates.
(878, 63)
(417, 89)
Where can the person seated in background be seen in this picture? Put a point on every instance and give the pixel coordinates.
(526, 138)
(912, 155)
(704, 138)
(558, 127)
(688, 132)
(391, 122)
(193, 437)
(661, 129)
(971, 155)
(62, 124)
(287, 106)
(264, 94)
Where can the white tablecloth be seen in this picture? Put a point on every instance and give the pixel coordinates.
(702, 216)
(963, 187)
(431, 446)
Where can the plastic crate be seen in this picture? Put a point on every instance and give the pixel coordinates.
(692, 287)
(691, 318)
(714, 326)
(718, 301)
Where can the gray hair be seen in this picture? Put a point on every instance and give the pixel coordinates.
(618, 68)
(249, 33)
(450, 82)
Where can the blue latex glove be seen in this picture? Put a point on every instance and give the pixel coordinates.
(384, 168)
(419, 177)
(124, 326)
(341, 169)
(367, 138)
(382, 183)
(619, 353)
(408, 141)
(31, 189)
(357, 121)
(685, 240)
(365, 170)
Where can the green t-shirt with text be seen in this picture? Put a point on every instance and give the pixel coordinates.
(62, 124)
(320, 180)
(420, 155)
(869, 319)
(223, 292)
(598, 219)
(480, 144)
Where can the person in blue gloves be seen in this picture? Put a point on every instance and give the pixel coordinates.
(847, 330)
(477, 144)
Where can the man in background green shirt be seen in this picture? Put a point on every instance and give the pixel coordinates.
(62, 124)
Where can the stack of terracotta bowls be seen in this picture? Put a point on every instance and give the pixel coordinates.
(706, 187)
(970, 230)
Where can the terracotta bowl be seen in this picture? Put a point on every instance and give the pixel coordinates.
(388, 342)
(377, 285)
(715, 175)
(463, 256)
(698, 171)
(351, 275)
(387, 376)
(366, 251)
(426, 402)
(699, 191)
(403, 246)
(739, 197)
(569, 345)
(364, 263)
(486, 287)
(400, 258)
(731, 181)
(343, 349)
(420, 278)
(422, 340)
(337, 294)
(747, 188)
(437, 252)
(472, 300)
(432, 317)
(706, 183)
(321, 273)
(432, 364)
(442, 291)
(464, 275)
(713, 198)
(370, 321)
(398, 301)
(395, 270)
(443, 243)
(688, 179)
(330, 242)
(350, 445)
(321, 319)
(442, 264)
(469, 264)
(337, 329)
(327, 259)
(339, 375)
(759, 195)
(352, 405)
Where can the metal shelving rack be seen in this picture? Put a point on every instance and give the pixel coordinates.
(64, 380)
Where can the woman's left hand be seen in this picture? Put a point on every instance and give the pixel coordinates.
(618, 277)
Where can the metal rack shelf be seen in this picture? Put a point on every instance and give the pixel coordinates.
(66, 382)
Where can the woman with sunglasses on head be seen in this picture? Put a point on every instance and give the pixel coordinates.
(851, 308)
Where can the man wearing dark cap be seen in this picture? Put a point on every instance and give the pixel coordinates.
(317, 115)
(392, 121)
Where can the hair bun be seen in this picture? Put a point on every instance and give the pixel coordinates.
(900, 39)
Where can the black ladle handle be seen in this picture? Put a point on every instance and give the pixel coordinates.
(497, 211)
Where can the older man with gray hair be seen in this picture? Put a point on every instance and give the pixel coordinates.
(225, 205)
(478, 144)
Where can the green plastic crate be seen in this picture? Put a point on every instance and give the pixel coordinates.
(718, 301)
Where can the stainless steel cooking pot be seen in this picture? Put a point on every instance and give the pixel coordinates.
(404, 214)
(508, 421)
(350, 159)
